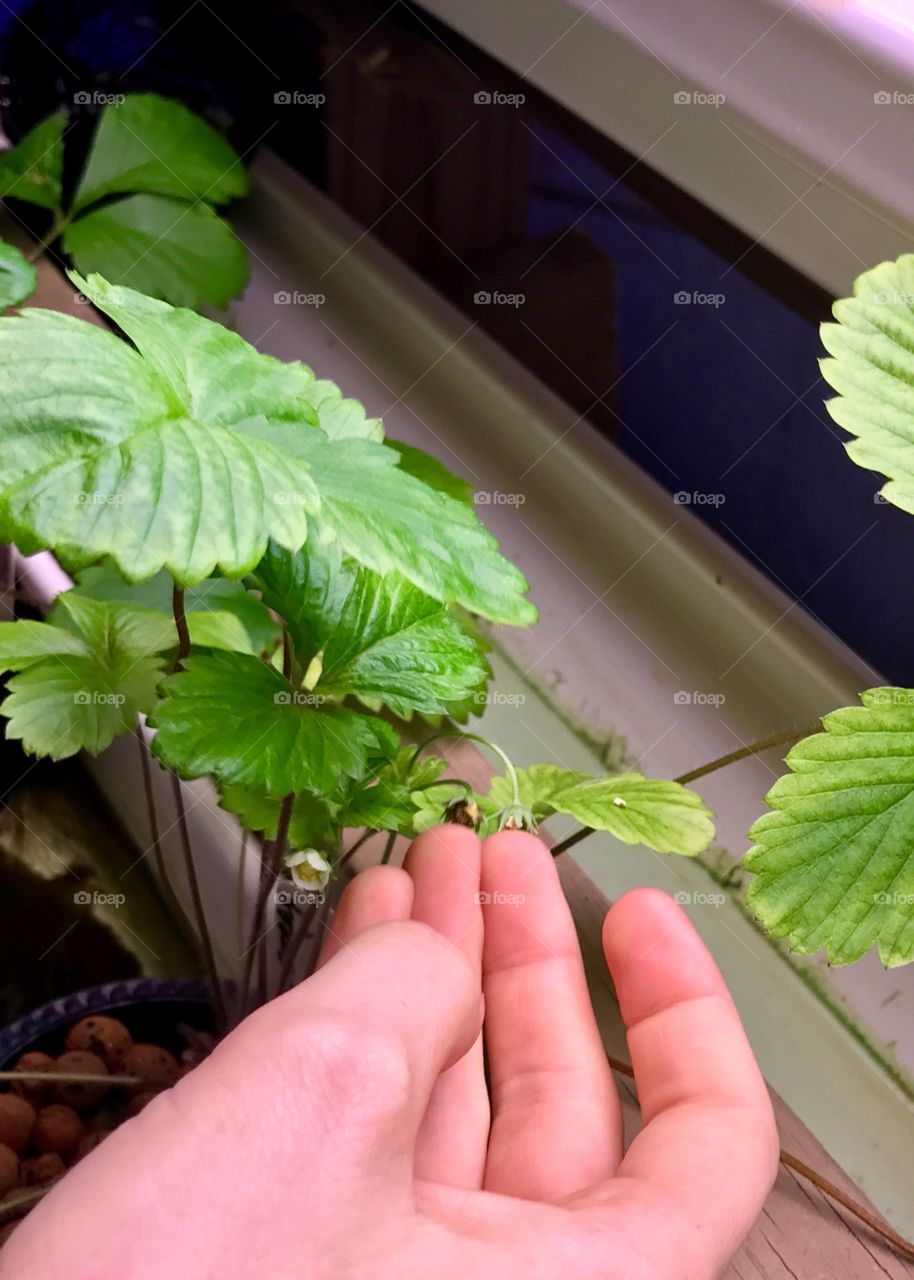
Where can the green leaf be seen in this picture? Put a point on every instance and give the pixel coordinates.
(664, 816)
(236, 718)
(213, 598)
(155, 462)
(430, 471)
(313, 823)
(339, 417)
(538, 787)
(17, 276)
(152, 144)
(391, 522)
(378, 638)
(25, 642)
(391, 801)
(33, 170)
(192, 457)
(184, 253)
(834, 861)
(78, 689)
(872, 369)
(431, 804)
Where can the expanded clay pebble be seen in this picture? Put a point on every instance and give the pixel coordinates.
(17, 1120)
(156, 1066)
(38, 1092)
(101, 1035)
(42, 1169)
(58, 1129)
(9, 1169)
(80, 1094)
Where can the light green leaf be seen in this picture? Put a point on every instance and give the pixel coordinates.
(391, 522)
(538, 787)
(210, 372)
(665, 816)
(872, 369)
(25, 642)
(430, 471)
(17, 276)
(339, 417)
(432, 804)
(152, 144)
(236, 718)
(33, 170)
(154, 462)
(184, 253)
(91, 685)
(378, 638)
(834, 861)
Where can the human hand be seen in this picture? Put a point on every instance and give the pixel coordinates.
(344, 1129)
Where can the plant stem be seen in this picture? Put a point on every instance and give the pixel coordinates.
(239, 889)
(299, 937)
(71, 1077)
(388, 847)
(277, 853)
(177, 608)
(269, 869)
(753, 749)
(174, 900)
(904, 1247)
(59, 224)
(206, 941)
(355, 846)
(11, 1208)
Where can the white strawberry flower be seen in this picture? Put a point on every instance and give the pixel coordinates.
(309, 868)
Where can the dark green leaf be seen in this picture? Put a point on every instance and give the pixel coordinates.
(236, 718)
(33, 170)
(184, 253)
(152, 144)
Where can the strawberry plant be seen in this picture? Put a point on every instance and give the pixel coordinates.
(143, 209)
(290, 599)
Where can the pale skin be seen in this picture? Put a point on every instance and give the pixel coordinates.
(345, 1130)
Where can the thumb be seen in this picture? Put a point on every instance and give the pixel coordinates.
(313, 1095)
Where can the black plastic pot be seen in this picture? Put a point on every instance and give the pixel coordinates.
(151, 1009)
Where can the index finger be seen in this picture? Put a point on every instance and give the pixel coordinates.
(708, 1153)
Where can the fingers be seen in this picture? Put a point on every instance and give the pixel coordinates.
(555, 1125)
(444, 867)
(377, 895)
(708, 1154)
